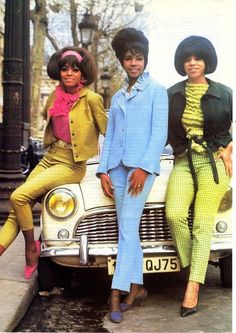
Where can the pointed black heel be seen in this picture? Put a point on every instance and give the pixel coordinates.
(184, 312)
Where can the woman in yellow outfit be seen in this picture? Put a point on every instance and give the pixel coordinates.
(74, 117)
(200, 113)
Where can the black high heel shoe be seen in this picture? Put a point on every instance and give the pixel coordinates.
(184, 311)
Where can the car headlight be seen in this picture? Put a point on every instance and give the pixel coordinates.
(61, 203)
(226, 202)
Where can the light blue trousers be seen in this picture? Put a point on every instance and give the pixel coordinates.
(129, 262)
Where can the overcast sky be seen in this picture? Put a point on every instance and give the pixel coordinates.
(176, 19)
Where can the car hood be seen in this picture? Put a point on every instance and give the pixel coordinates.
(93, 196)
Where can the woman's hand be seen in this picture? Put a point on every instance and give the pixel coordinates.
(226, 156)
(107, 186)
(137, 180)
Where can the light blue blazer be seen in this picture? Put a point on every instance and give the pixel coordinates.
(137, 128)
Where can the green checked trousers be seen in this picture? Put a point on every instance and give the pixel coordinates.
(180, 194)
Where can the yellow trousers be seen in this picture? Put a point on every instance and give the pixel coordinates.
(56, 168)
(180, 194)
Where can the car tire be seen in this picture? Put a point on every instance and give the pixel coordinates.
(225, 265)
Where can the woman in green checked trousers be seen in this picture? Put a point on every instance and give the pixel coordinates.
(200, 116)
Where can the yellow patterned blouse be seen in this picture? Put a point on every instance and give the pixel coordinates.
(192, 118)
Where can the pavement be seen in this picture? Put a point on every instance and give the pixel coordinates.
(16, 293)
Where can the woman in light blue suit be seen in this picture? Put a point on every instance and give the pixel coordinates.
(130, 161)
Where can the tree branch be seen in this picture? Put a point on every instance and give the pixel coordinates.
(52, 40)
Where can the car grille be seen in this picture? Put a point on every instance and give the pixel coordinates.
(101, 227)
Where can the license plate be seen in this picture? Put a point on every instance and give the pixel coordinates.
(152, 264)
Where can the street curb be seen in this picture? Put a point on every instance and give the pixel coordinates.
(12, 317)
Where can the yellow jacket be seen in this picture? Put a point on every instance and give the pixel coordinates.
(87, 118)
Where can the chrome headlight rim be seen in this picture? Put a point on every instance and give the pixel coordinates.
(57, 191)
(221, 227)
(63, 234)
(226, 201)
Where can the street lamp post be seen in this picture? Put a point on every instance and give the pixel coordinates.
(14, 74)
(86, 28)
(105, 78)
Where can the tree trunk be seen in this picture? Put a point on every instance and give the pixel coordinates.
(73, 18)
(39, 20)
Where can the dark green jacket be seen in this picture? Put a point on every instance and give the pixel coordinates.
(216, 105)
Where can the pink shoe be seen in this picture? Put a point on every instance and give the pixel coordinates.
(29, 270)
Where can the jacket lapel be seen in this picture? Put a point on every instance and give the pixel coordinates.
(141, 86)
(121, 101)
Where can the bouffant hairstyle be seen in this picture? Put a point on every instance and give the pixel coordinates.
(86, 66)
(130, 39)
(200, 47)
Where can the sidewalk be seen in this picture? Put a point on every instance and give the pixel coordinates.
(16, 293)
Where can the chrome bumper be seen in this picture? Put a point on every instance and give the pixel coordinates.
(104, 252)
(84, 251)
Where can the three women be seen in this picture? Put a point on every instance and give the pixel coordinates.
(199, 133)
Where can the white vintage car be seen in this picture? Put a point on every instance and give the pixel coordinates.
(79, 227)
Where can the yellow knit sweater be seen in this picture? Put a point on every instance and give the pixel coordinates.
(192, 118)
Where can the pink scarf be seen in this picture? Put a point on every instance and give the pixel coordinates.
(63, 101)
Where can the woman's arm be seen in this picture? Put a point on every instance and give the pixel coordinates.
(226, 155)
(102, 168)
(107, 186)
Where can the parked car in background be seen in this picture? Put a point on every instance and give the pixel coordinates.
(31, 155)
(79, 227)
